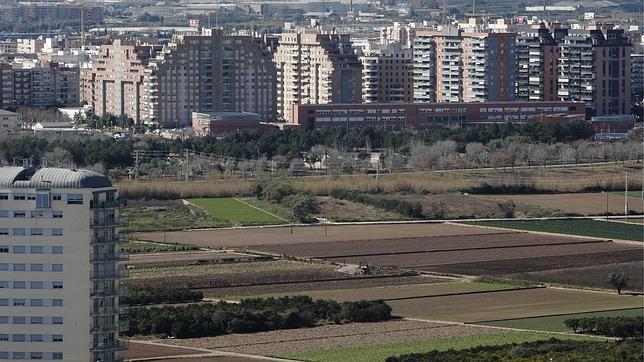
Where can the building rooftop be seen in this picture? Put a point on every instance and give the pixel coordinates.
(50, 177)
(7, 113)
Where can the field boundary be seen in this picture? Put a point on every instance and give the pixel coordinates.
(552, 315)
(463, 293)
(259, 209)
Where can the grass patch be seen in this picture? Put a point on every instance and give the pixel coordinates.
(556, 323)
(141, 247)
(273, 208)
(582, 227)
(381, 352)
(172, 217)
(222, 269)
(235, 211)
(638, 194)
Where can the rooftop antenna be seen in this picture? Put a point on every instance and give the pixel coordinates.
(82, 25)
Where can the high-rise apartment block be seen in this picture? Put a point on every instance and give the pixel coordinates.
(6, 85)
(249, 75)
(454, 66)
(186, 77)
(114, 81)
(60, 265)
(387, 74)
(41, 83)
(594, 67)
(314, 67)
(537, 57)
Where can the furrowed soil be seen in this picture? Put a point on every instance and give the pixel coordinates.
(313, 285)
(511, 304)
(331, 336)
(243, 237)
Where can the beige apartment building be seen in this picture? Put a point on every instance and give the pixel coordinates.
(60, 265)
(316, 68)
(455, 66)
(114, 81)
(387, 74)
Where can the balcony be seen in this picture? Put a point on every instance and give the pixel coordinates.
(121, 326)
(107, 204)
(120, 291)
(111, 274)
(110, 346)
(120, 255)
(118, 239)
(107, 310)
(108, 222)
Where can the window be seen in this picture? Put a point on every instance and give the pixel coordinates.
(19, 214)
(57, 214)
(4, 213)
(56, 197)
(36, 249)
(36, 231)
(36, 355)
(19, 197)
(4, 302)
(36, 303)
(4, 355)
(42, 201)
(57, 338)
(57, 320)
(18, 355)
(19, 285)
(19, 267)
(4, 266)
(18, 302)
(19, 338)
(37, 214)
(76, 199)
(19, 231)
(57, 267)
(57, 285)
(36, 337)
(57, 232)
(4, 249)
(56, 249)
(4, 319)
(4, 231)
(36, 285)
(57, 356)
(4, 196)
(36, 267)
(35, 320)
(57, 302)
(4, 337)
(31, 197)
(18, 320)
(19, 249)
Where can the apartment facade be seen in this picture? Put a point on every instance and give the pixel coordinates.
(6, 85)
(594, 67)
(249, 75)
(387, 74)
(314, 67)
(455, 66)
(186, 77)
(59, 265)
(537, 57)
(113, 83)
(41, 84)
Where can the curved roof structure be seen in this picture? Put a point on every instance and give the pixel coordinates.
(50, 178)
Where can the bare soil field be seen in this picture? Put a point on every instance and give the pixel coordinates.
(184, 257)
(532, 264)
(387, 293)
(343, 210)
(421, 260)
(243, 237)
(511, 304)
(212, 359)
(590, 275)
(500, 239)
(577, 203)
(331, 336)
(142, 350)
(311, 285)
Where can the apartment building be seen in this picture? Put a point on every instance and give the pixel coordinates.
(387, 73)
(6, 85)
(454, 66)
(40, 83)
(51, 12)
(314, 67)
(594, 67)
(113, 83)
(249, 75)
(59, 265)
(637, 76)
(186, 77)
(537, 57)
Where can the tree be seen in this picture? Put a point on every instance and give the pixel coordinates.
(507, 208)
(619, 281)
(304, 205)
(475, 153)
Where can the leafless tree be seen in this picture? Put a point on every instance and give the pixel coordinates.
(475, 153)
(393, 161)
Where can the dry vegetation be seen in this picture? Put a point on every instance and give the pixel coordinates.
(579, 203)
(570, 179)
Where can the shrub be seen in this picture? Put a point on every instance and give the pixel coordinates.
(507, 208)
(621, 327)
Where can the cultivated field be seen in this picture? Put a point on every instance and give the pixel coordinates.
(167, 215)
(235, 211)
(141, 350)
(556, 323)
(345, 211)
(239, 238)
(583, 227)
(185, 257)
(381, 352)
(511, 304)
(388, 293)
(332, 336)
(591, 275)
(575, 203)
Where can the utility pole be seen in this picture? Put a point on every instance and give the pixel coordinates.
(136, 165)
(187, 163)
(626, 195)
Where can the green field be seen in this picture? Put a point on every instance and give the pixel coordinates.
(638, 194)
(381, 352)
(556, 323)
(236, 211)
(582, 227)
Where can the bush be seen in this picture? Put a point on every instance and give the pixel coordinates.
(157, 295)
(249, 316)
(621, 327)
(303, 205)
(414, 210)
(507, 208)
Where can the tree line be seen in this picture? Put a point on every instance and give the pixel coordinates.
(249, 316)
(621, 327)
(159, 295)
